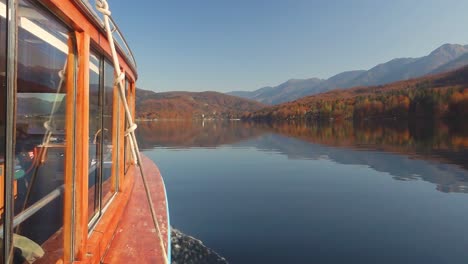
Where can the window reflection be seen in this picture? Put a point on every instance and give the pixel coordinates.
(95, 130)
(107, 147)
(102, 113)
(40, 129)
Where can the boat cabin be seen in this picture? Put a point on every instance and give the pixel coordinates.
(66, 169)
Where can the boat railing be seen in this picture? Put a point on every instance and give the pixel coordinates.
(31, 210)
(121, 42)
(122, 45)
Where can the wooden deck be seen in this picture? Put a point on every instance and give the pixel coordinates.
(136, 240)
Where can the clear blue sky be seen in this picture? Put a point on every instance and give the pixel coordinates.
(222, 45)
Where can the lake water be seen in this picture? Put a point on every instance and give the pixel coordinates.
(317, 193)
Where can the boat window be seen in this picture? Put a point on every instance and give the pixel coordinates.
(108, 182)
(103, 117)
(95, 130)
(3, 95)
(41, 118)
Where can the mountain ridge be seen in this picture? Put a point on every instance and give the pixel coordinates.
(442, 95)
(443, 59)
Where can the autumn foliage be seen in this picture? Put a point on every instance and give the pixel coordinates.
(443, 95)
(191, 105)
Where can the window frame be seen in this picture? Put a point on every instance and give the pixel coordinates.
(97, 191)
(114, 178)
(11, 74)
(70, 81)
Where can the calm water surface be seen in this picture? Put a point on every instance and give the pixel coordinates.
(309, 193)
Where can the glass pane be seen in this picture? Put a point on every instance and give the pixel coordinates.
(107, 132)
(95, 130)
(40, 129)
(3, 94)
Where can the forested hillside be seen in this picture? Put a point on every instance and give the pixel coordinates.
(191, 105)
(443, 95)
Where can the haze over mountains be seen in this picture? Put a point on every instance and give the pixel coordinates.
(445, 58)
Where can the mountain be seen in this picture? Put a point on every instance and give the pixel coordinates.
(190, 105)
(433, 96)
(339, 80)
(407, 68)
(271, 95)
(452, 65)
(36, 106)
(445, 58)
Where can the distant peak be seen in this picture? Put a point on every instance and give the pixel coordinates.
(293, 80)
(301, 80)
(450, 45)
(450, 48)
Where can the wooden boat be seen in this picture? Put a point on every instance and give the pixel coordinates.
(70, 185)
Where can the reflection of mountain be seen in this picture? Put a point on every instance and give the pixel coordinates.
(33, 106)
(405, 151)
(433, 141)
(448, 178)
(186, 133)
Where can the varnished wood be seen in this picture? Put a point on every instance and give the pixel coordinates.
(2, 190)
(115, 139)
(69, 153)
(69, 12)
(75, 225)
(82, 147)
(128, 151)
(104, 231)
(132, 106)
(121, 147)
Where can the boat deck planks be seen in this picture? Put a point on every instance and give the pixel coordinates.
(136, 239)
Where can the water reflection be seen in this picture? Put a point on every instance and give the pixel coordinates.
(191, 134)
(433, 152)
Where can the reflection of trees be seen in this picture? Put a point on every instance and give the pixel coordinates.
(447, 178)
(423, 139)
(420, 140)
(188, 133)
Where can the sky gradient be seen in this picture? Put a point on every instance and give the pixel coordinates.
(221, 45)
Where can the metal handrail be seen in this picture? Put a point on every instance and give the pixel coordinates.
(31, 210)
(11, 48)
(89, 9)
(127, 47)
